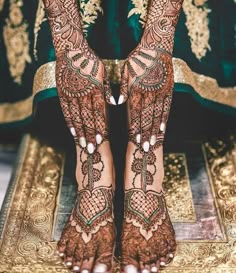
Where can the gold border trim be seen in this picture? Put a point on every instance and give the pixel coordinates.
(33, 205)
(44, 78)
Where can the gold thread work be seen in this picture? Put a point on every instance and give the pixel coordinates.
(197, 24)
(196, 12)
(89, 12)
(204, 86)
(1, 4)
(40, 18)
(140, 8)
(16, 39)
(26, 244)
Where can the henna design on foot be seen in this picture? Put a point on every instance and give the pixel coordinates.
(148, 236)
(92, 210)
(88, 238)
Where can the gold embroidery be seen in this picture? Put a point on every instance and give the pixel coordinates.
(17, 41)
(27, 246)
(197, 25)
(140, 7)
(204, 86)
(89, 12)
(44, 77)
(1, 4)
(40, 18)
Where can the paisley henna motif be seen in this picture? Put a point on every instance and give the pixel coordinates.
(160, 25)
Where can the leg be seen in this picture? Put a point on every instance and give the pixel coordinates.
(148, 240)
(87, 241)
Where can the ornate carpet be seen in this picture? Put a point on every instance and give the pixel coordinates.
(200, 187)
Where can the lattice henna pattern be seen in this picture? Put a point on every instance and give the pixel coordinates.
(161, 22)
(146, 210)
(80, 75)
(92, 211)
(150, 93)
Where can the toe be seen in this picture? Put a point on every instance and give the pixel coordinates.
(87, 265)
(155, 267)
(100, 268)
(76, 266)
(163, 262)
(169, 258)
(144, 268)
(61, 247)
(69, 253)
(104, 262)
(130, 268)
(68, 262)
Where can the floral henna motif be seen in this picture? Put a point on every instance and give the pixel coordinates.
(80, 75)
(140, 164)
(92, 168)
(99, 246)
(161, 22)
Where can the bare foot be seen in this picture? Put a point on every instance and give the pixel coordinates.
(148, 239)
(87, 241)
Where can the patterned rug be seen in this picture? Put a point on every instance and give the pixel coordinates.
(200, 185)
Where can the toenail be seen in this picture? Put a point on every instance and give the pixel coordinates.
(85, 271)
(146, 146)
(138, 138)
(90, 148)
(130, 269)
(171, 255)
(154, 269)
(76, 268)
(100, 268)
(68, 264)
(162, 264)
(145, 270)
(61, 254)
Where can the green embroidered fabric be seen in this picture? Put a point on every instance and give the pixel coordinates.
(112, 36)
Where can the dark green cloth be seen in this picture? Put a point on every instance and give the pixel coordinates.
(114, 35)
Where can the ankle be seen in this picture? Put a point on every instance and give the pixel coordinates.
(95, 170)
(144, 170)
